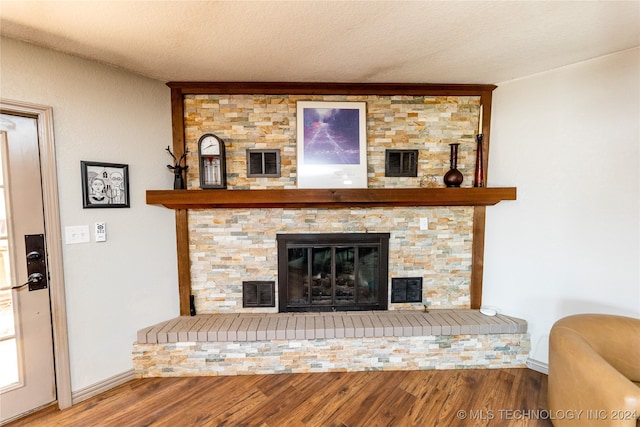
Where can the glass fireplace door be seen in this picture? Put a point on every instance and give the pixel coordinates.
(338, 277)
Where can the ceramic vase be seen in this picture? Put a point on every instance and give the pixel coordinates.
(453, 178)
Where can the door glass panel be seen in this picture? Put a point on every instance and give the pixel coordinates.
(368, 274)
(298, 276)
(345, 275)
(8, 348)
(9, 357)
(321, 292)
(3, 215)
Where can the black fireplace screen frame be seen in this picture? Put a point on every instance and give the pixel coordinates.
(380, 241)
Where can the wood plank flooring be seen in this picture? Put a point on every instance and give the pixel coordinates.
(502, 397)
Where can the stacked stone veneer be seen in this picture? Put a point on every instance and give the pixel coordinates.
(228, 246)
(427, 124)
(236, 344)
(331, 355)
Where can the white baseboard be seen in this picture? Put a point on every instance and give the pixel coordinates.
(538, 366)
(102, 386)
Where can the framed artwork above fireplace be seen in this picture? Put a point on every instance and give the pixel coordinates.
(331, 144)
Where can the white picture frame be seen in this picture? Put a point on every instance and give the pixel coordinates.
(331, 144)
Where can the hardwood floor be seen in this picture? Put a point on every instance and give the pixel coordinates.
(504, 397)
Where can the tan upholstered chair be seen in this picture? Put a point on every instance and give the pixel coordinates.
(594, 367)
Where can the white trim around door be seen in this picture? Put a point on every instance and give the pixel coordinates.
(53, 233)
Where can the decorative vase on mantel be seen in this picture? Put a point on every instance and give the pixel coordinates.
(479, 172)
(453, 178)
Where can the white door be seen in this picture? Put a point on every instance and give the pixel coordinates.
(27, 377)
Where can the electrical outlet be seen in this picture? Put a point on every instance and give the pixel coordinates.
(424, 223)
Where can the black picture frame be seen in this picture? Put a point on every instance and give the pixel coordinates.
(104, 185)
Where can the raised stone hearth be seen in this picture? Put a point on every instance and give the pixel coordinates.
(236, 344)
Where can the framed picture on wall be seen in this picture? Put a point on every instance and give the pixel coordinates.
(331, 144)
(105, 185)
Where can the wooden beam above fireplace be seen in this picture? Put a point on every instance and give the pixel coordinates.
(329, 198)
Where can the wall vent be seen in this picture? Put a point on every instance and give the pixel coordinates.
(406, 289)
(258, 294)
(263, 163)
(400, 163)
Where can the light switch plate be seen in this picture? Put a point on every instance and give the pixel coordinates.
(77, 234)
(424, 223)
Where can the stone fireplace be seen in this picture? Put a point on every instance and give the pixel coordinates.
(333, 272)
(429, 247)
(229, 246)
(216, 235)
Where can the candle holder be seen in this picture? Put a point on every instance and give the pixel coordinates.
(453, 178)
(479, 172)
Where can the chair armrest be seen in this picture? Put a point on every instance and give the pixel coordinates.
(580, 379)
(615, 338)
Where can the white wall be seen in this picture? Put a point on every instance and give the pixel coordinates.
(568, 139)
(130, 281)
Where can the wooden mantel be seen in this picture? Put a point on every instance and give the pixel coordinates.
(329, 198)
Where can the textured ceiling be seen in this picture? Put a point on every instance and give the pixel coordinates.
(329, 41)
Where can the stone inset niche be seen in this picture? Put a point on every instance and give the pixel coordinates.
(229, 246)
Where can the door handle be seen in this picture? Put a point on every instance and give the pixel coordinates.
(34, 279)
(36, 262)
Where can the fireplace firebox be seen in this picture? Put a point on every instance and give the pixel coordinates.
(333, 272)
